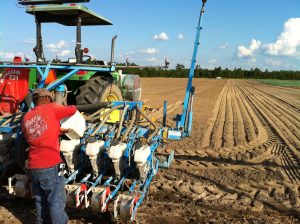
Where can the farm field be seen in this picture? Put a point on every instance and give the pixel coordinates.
(241, 164)
(278, 82)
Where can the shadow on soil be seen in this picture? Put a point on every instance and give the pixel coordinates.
(224, 161)
(20, 209)
(23, 210)
(279, 207)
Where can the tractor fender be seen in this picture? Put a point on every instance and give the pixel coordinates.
(13, 89)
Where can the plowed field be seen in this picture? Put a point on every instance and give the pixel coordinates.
(241, 164)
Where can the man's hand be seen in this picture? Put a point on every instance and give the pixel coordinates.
(64, 130)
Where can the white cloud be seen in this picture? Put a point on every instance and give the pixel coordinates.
(243, 51)
(252, 60)
(55, 47)
(224, 46)
(1, 34)
(150, 51)
(288, 41)
(273, 62)
(180, 36)
(213, 61)
(9, 55)
(131, 52)
(186, 64)
(29, 41)
(58, 48)
(152, 59)
(122, 57)
(63, 53)
(161, 36)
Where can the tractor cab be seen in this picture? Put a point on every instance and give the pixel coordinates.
(65, 14)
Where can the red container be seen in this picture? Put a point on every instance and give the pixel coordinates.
(13, 88)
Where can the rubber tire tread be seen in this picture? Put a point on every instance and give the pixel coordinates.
(96, 90)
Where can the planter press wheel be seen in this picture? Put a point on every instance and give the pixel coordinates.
(98, 89)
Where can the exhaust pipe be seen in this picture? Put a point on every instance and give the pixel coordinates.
(112, 53)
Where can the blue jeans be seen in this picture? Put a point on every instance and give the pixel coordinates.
(50, 195)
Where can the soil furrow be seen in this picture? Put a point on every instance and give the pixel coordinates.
(217, 133)
(282, 109)
(206, 142)
(249, 128)
(292, 102)
(228, 135)
(290, 167)
(239, 126)
(261, 133)
(279, 121)
(292, 126)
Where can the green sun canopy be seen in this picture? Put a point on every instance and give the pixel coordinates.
(67, 15)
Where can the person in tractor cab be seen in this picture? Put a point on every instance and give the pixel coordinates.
(41, 129)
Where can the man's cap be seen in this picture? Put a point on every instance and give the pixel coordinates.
(41, 92)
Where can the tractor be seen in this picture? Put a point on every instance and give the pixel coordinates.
(84, 87)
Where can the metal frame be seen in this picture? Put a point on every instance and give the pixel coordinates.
(73, 69)
(185, 119)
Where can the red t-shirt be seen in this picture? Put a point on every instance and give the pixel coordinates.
(41, 128)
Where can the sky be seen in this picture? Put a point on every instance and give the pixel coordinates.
(246, 34)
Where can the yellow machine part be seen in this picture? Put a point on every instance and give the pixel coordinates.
(114, 116)
(165, 133)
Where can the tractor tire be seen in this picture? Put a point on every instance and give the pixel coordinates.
(21, 152)
(98, 89)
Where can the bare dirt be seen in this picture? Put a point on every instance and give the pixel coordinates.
(241, 164)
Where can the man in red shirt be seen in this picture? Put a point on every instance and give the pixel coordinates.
(41, 128)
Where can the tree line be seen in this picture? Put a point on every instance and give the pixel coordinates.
(181, 72)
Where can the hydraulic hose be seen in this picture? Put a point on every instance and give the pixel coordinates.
(121, 121)
(11, 115)
(6, 122)
(93, 116)
(151, 122)
(100, 125)
(106, 116)
(15, 118)
(130, 125)
(5, 116)
(95, 106)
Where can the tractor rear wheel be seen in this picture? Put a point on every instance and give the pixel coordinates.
(98, 89)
